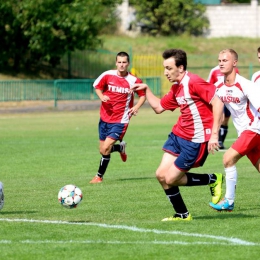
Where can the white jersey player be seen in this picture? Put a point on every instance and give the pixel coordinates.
(256, 76)
(241, 96)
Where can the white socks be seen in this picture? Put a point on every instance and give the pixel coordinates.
(231, 181)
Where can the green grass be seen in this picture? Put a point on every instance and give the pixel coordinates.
(121, 217)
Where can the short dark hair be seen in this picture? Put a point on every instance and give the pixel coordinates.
(123, 54)
(258, 49)
(179, 55)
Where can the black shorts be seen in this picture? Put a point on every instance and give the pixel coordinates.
(226, 112)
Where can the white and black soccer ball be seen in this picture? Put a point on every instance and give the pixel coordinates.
(70, 196)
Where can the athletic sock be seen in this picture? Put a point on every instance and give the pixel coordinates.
(116, 148)
(104, 161)
(231, 181)
(196, 179)
(222, 134)
(175, 198)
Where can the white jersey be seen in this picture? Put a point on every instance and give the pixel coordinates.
(256, 78)
(243, 101)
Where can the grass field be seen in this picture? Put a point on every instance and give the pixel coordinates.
(121, 217)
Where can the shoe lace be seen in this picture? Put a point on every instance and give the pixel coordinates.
(212, 191)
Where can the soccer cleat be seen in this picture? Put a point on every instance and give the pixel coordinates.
(216, 188)
(223, 205)
(2, 199)
(176, 218)
(96, 179)
(122, 153)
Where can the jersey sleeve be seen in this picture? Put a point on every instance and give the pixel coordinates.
(169, 102)
(205, 89)
(252, 91)
(140, 93)
(101, 81)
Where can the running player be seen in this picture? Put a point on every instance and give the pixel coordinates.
(192, 137)
(1, 195)
(256, 76)
(241, 96)
(117, 107)
(215, 75)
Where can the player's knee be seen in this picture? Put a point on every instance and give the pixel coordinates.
(104, 150)
(227, 161)
(160, 175)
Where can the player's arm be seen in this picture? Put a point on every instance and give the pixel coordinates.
(102, 97)
(217, 108)
(153, 101)
(135, 108)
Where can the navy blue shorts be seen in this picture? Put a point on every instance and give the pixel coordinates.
(226, 112)
(114, 131)
(190, 154)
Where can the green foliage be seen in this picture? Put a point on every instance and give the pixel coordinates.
(171, 17)
(45, 30)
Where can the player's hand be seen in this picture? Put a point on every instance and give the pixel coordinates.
(105, 98)
(138, 86)
(133, 111)
(213, 146)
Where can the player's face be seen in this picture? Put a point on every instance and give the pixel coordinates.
(226, 62)
(172, 72)
(122, 65)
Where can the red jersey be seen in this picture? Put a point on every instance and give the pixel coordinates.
(215, 75)
(117, 88)
(193, 96)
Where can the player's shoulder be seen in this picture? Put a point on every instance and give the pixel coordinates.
(215, 70)
(110, 72)
(194, 78)
(133, 78)
(255, 75)
(241, 79)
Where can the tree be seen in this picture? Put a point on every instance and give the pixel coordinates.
(45, 30)
(171, 17)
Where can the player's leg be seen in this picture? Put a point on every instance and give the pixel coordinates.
(180, 156)
(172, 192)
(223, 128)
(257, 165)
(254, 154)
(1, 195)
(109, 134)
(117, 131)
(246, 144)
(194, 155)
(104, 149)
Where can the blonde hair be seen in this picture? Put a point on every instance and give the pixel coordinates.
(233, 53)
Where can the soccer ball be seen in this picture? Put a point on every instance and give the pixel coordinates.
(70, 196)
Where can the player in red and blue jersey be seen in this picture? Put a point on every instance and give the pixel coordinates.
(193, 136)
(117, 108)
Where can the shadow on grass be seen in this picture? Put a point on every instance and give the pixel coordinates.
(137, 179)
(226, 215)
(17, 212)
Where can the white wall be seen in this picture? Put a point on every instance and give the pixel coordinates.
(225, 19)
(234, 20)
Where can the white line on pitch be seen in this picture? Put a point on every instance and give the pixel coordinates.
(111, 242)
(231, 240)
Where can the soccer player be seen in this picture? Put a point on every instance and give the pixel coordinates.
(1, 195)
(214, 75)
(256, 76)
(193, 136)
(241, 96)
(117, 107)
